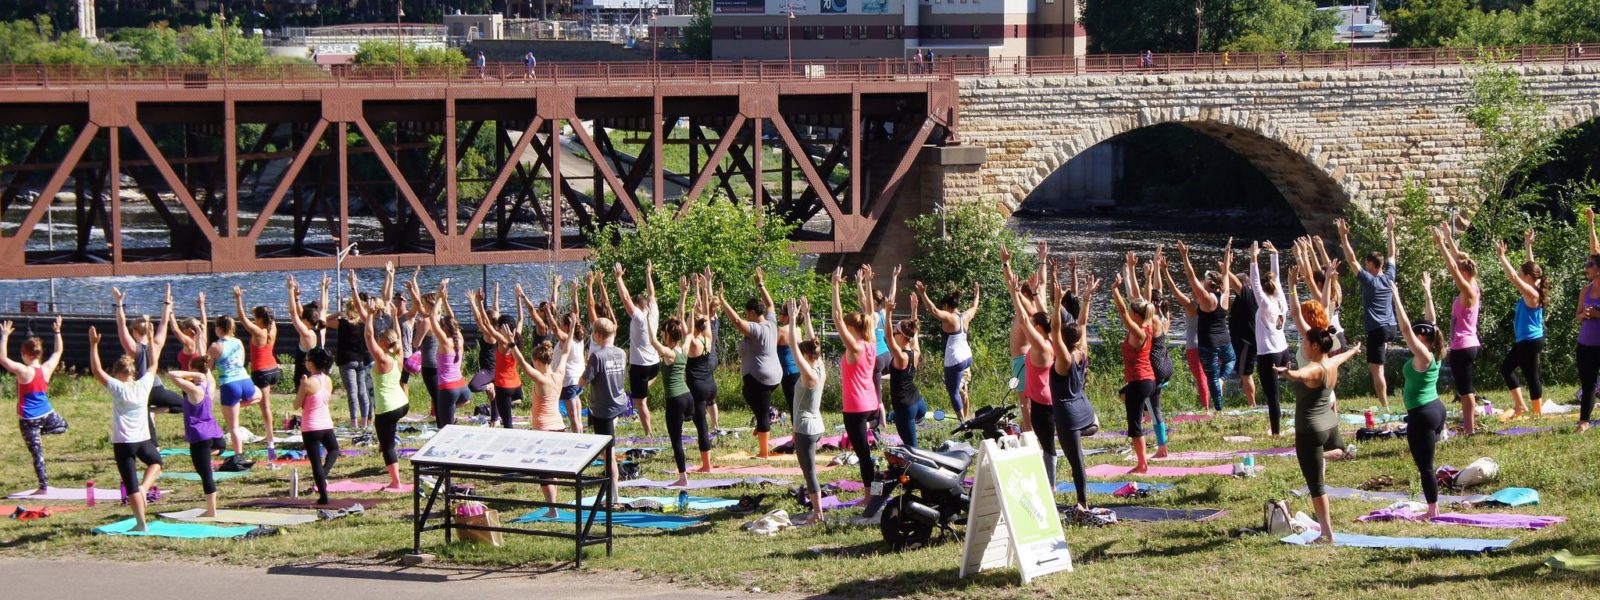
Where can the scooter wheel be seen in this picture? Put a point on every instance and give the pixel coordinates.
(899, 530)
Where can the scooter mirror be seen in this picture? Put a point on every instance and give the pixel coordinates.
(1014, 384)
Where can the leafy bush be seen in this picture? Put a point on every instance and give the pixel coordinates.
(960, 247)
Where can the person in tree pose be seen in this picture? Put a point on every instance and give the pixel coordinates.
(35, 415)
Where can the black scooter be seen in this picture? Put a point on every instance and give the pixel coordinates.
(935, 494)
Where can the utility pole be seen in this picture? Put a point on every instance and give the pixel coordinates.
(223, 7)
(399, 46)
(788, 38)
(1199, 11)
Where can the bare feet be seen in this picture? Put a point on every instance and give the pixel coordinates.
(702, 469)
(683, 480)
(1141, 469)
(1325, 539)
(1582, 427)
(140, 527)
(210, 514)
(41, 491)
(1161, 452)
(551, 514)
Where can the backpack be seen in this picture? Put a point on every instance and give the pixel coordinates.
(1275, 518)
(1480, 471)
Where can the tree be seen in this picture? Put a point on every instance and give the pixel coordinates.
(206, 45)
(1427, 23)
(697, 36)
(154, 45)
(31, 42)
(1564, 21)
(961, 247)
(1236, 25)
(732, 239)
(384, 53)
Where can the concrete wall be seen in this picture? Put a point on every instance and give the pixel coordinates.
(1325, 138)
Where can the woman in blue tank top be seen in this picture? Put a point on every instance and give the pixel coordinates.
(1528, 325)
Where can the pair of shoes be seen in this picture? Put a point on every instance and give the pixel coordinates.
(235, 463)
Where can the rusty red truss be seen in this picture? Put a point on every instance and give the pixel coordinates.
(139, 180)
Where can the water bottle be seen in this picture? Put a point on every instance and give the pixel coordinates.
(683, 501)
(88, 489)
(1250, 463)
(1488, 408)
(1370, 423)
(294, 484)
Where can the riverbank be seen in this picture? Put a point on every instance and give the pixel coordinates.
(1161, 560)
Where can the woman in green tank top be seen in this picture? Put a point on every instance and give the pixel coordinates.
(680, 403)
(390, 400)
(1424, 412)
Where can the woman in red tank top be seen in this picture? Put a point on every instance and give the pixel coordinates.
(264, 371)
(1137, 320)
(1036, 365)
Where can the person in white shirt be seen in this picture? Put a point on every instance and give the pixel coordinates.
(1272, 348)
(644, 363)
(130, 426)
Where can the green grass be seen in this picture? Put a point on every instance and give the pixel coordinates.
(1128, 560)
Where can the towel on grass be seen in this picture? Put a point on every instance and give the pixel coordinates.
(1568, 561)
(1465, 545)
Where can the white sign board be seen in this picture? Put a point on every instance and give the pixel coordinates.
(517, 449)
(1012, 519)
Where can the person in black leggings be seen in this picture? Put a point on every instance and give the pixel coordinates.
(200, 428)
(1424, 412)
(1071, 412)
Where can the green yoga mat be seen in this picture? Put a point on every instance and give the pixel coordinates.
(193, 531)
(247, 517)
(1568, 561)
(215, 475)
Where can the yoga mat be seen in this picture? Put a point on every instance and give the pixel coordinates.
(309, 502)
(1523, 430)
(247, 517)
(1107, 489)
(1195, 418)
(834, 503)
(693, 503)
(1225, 454)
(215, 475)
(1566, 560)
(1157, 471)
(1344, 493)
(766, 470)
(1512, 496)
(622, 519)
(748, 456)
(694, 484)
(848, 485)
(73, 494)
(1487, 520)
(174, 530)
(366, 487)
(1150, 513)
(1472, 546)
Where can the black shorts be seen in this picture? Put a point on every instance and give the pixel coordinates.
(1462, 368)
(126, 453)
(639, 377)
(599, 426)
(1244, 357)
(405, 376)
(266, 379)
(1378, 344)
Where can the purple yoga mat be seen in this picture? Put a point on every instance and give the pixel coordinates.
(1226, 454)
(1524, 430)
(1159, 471)
(701, 484)
(848, 485)
(1486, 520)
(834, 503)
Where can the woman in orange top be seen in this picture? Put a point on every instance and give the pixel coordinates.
(504, 334)
(264, 371)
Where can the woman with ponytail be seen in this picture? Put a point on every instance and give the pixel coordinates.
(1424, 411)
(1316, 420)
(1528, 325)
(1464, 310)
(1589, 329)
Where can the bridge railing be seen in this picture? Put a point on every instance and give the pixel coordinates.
(884, 69)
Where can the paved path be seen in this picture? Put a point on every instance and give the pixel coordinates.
(341, 579)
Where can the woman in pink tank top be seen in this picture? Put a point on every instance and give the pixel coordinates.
(1464, 345)
(856, 371)
(316, 423)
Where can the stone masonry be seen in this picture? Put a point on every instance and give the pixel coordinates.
(1325, 138)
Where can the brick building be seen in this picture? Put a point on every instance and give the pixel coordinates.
(762, 29)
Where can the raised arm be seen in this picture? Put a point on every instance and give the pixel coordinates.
(1422, 358)
(1063, 355)
(1530, 294)
(1177, 292)
(123, 335)
(1344, 244)
(922, 292)
(14, 367)
(808, 370)
(50, 364)
(248, 323)
(200, 336)
(622, 290)
(94, 355)
(1227, 270)
(1091, 288)
(1136, 334)
(1034, 337)
(1594, 240)
(1294, 300)
(1204, 301)
(1427, 293)
(1388, 234)
(300, 325)
(158, 337)
(977, 300)
(486, 325)
(845, 335)
(761, 284)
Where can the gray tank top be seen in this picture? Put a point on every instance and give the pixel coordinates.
(1313, 408)
(808, 405)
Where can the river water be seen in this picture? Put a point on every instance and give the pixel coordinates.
(1100, 241)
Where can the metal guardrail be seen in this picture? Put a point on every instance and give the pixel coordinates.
(887, 69)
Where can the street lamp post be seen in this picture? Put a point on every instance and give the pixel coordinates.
(655, 44)
(399, 46)
(788, 39)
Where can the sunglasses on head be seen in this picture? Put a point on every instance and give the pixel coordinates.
(1424, 328)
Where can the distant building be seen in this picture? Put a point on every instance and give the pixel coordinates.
(761, 29)
(1359, 25)
(464, 29)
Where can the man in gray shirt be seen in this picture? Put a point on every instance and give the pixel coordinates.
(1377, 302)
(758, 360)
(603, 377)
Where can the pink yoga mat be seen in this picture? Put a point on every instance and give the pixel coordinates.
(848, 485)
(1189, 418)
(72, 494)
(1160, 471)
(763, 470)
(366, 487)
(1226, 454)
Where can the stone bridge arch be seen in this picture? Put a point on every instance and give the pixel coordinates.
(1316, 186)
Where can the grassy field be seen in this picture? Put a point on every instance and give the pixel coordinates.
(1128, 560)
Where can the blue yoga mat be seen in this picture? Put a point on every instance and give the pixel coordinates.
(694, 502)
(624, 519)
(1468, 545)
(1108, 488)
(1514, 496)
(174, 530)
(215, 475)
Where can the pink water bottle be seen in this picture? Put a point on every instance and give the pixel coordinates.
(1370, 423)
(88, 489)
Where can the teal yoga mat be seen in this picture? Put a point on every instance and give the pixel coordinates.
(215, 475)
(1466, 545)
(694, 502)
(174, 530)
(1513, 497)
(1108, 488)
(623, 519)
